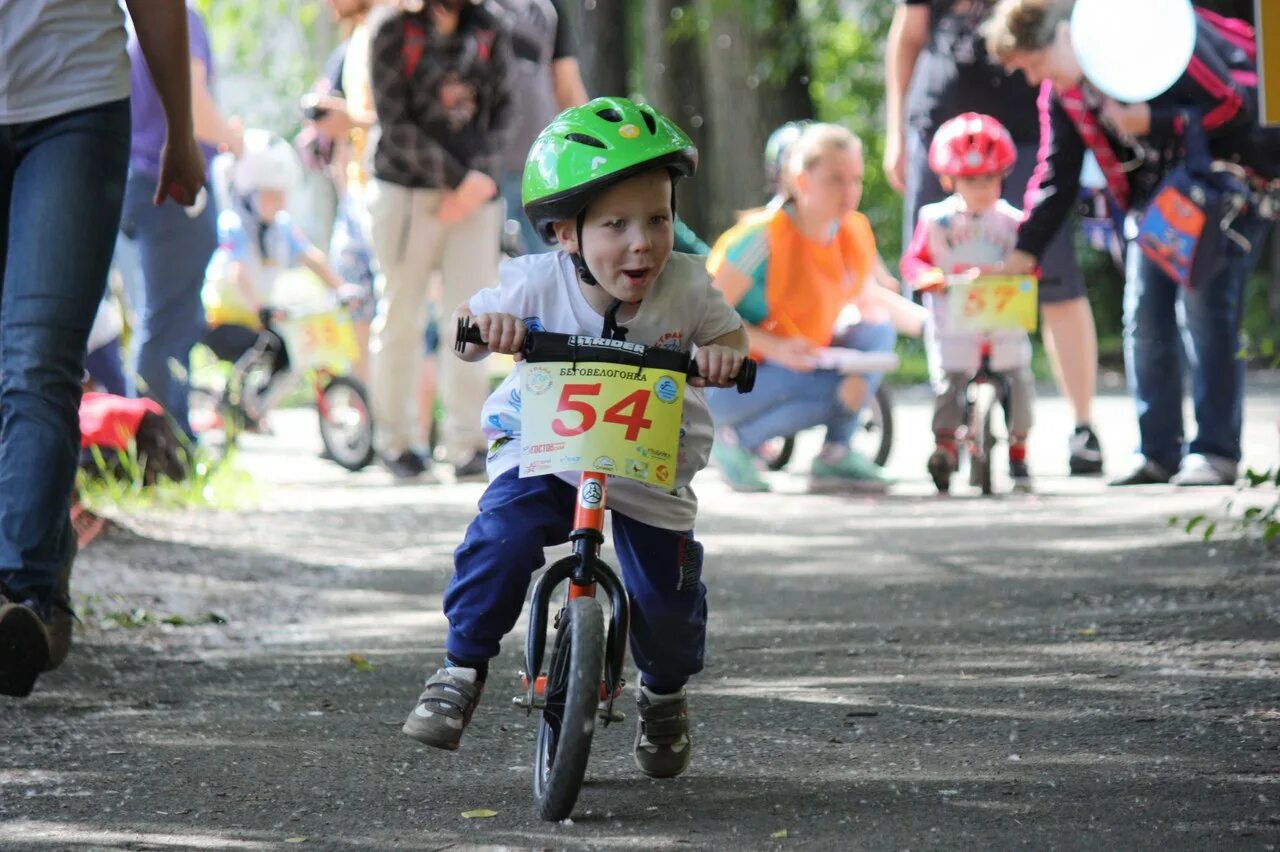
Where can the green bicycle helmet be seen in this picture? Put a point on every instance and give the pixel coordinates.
(588, 148)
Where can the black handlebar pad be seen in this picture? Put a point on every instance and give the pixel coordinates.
(541, 346)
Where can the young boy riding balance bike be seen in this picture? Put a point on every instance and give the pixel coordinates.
(600, 181)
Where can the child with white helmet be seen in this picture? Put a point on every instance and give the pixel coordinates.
(257, 240)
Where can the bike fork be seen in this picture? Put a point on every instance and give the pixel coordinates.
(584, 570)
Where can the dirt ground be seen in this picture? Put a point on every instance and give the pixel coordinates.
(1055, 671)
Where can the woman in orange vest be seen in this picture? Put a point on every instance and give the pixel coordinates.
(790, 269)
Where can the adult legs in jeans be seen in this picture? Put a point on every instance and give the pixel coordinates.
(1212, 334)
(174, 250)
(785, 402)
(865, 337)
(1154, 362)
(62, 182)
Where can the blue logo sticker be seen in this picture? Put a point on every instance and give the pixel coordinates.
(666, 389)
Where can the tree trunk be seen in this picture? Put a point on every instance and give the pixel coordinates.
(674, 84)
(741, 59)
(601, 26)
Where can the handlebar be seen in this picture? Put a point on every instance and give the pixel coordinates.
(551, 346)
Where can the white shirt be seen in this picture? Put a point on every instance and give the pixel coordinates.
(681, 310)
(959, 240)
(58, 56)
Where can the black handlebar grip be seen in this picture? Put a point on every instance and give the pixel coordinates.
(744, 381)
(467, 333)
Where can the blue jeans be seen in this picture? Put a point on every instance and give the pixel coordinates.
(530, 241)
(174, 250)
(1166, 329)
(62, 181)
(785, 402)
(519, 518)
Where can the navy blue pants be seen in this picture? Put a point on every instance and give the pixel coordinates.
(662, 570)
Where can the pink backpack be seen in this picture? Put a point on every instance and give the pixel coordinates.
(1240, 35)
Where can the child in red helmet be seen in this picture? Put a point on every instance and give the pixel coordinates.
(973, 228)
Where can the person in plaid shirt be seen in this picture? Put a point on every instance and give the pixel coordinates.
(439, 75)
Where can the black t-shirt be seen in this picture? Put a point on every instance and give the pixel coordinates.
(955, 75)
(525, 45)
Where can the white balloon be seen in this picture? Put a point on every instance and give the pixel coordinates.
(1133, 50)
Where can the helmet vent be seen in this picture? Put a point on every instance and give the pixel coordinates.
(610, 114)
(650, 122)
(584, 139)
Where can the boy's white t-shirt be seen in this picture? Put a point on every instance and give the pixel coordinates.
(682, 309)
(958, 240)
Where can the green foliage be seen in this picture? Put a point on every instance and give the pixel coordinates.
(785, 37)
(267, 52)
(118, 485)
(1259, 495)
(1105, 287)
(115, 612)
(848, 88)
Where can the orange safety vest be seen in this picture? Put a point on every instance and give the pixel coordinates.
(808, 283)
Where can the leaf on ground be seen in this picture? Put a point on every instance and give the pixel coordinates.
(1191, 524)
(1088, 631)
(780, 835)
(175, 620)
(1210, 530)
(295, 840)
(479, 813)
(359, 662)
(1273, 530)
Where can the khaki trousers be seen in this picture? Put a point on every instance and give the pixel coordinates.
(411, 244)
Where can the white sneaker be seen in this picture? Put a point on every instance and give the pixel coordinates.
(1197, 469)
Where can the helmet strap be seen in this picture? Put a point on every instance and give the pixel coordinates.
(611, 330)
(580, 262)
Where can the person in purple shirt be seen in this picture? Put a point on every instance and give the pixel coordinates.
(174, 244)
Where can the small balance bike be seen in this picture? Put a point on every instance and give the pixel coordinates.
(987, 304)
(319, 343)
(608, 407)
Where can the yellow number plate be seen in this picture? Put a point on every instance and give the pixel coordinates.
(603, 417)
(992, 303)
(328, 341)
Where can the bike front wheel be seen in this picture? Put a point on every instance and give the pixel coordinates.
(346, 425)
(982, 440)
(568, 721)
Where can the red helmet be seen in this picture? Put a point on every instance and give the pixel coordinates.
(972, 144)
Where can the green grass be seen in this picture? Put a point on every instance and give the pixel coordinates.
(211, 482)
